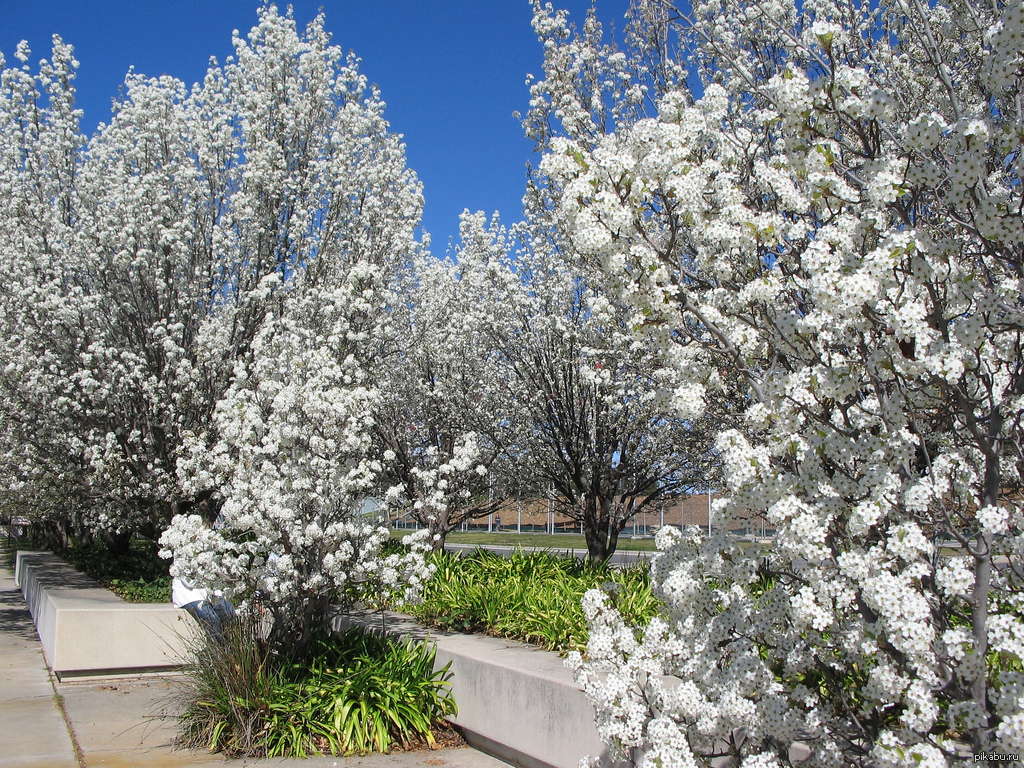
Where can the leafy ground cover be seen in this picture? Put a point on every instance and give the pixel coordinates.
(559, 542)
(138, 575)
(356, 693)
(530, 596)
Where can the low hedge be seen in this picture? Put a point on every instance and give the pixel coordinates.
(138, 575)
(529, 596)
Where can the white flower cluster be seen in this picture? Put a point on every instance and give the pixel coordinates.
(145, 259)
(287, 453)
(689, 685)
(441, 424)
(290, 457)
(833, 225)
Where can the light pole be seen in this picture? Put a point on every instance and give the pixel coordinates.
(490, 498)
(550, 521)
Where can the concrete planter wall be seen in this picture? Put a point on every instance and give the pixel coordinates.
(515, 701)
(88, 630)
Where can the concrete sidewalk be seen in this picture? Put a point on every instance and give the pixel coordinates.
(122, 722)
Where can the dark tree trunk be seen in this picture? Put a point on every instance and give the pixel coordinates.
(601, 535)
(437, 538)
(54, 535)
(293, 637)
(597, 546)
(120, 543)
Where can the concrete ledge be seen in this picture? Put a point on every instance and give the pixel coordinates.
(516, 702)
(88, 630)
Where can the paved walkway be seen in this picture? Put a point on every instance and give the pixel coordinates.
(122, 722)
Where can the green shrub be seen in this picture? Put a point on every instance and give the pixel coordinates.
(226, 686)
(138, 575)
(142, 591)
(357, 693)
(534, 597)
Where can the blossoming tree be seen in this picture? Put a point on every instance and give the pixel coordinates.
(39, 155)
(594, 424)
(328, 206)
(288, 453)
(826, 204)
(147, 259)
(443, 427)
(123, 255)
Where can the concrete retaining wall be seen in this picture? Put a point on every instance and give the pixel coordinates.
(515, 701)
(88, 630)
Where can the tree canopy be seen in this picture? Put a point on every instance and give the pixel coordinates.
(822, 201)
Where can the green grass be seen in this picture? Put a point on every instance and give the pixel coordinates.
(559, 542)
(530, 596)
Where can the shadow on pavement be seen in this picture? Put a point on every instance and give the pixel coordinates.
(15, 619)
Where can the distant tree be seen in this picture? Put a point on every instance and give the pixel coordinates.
(100, 314)
(443, 426)
(594, 423)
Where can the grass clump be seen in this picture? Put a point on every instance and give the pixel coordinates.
(530, 596)
(356, 693)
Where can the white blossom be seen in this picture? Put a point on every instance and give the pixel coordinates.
(832, 224)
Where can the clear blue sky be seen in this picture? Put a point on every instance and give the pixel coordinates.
(451, 71)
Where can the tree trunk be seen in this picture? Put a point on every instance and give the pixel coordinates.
(438, 533)
(295, 639)
(119, 543)
(602, 537)
(982, 586)
(597, 547)
(613, 537)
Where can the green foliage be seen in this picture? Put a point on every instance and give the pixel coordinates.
(534, 597)
(226, 686)
(356, 693)
(138, 575)
(559, 542)
(142, 591)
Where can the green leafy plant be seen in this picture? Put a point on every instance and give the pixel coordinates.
(530, 596)
(138, 575)
(142, 591)
(227, 684)
(356, 693)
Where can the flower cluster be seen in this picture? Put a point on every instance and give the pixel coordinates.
(830, 229)
(442, 428)
(291, 493)
(145, 259)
